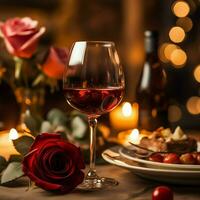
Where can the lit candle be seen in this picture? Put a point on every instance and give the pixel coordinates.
(124, 117)
(6, 144)
(133, 136)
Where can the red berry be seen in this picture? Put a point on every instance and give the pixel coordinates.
(156, 157)
(162, 193)
(171, 158)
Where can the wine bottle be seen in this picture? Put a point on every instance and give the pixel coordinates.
(150, 91)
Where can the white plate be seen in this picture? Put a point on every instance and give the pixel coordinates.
(126, 153)
(175, 176)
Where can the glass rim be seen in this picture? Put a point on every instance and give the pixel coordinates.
(96, 42)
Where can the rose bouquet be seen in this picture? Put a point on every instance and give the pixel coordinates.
(34, 65)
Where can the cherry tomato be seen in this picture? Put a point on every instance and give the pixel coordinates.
(198, 159)
(162, 193)
(171, 158)
(187, 158)
(156, 157)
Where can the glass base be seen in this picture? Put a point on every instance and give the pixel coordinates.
(97, 183)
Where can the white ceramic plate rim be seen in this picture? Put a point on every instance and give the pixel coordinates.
(143, 168)
(158, 164)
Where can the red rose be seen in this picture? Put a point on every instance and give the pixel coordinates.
(54, 164)
(21, 36)
(54, 64)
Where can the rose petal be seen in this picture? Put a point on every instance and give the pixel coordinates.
(54, 64)
(44, 184)
(71, 183)
(74, 152)
(44, 138)
(33, 40)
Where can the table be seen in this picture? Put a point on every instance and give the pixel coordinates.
(130, 187)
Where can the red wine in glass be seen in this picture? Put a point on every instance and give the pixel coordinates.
(93, 83)
(94, 101)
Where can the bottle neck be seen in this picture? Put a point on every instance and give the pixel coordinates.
(151, 45)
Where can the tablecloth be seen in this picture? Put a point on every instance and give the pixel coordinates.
(131, 187)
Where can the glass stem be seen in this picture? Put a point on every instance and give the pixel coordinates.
(92, 124)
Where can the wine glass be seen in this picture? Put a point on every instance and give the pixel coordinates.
(93, 83)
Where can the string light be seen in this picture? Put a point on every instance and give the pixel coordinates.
(193, 105)
(185, 23)
(174, 113)
(169, 49)
(177, 34)
(181, 8)
(178, 58)
(197, 73)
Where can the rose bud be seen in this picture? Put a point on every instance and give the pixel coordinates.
(171, 158)
(54, 164)
(54, 62)
(156, 157)
(21, 36)
(187, 158)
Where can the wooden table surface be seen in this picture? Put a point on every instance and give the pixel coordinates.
(130, 187)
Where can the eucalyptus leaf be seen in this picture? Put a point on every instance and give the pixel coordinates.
(32, 122)
(23, 144)
(12, 172)
(3, 163)
(79, 128)
(57, 117)
(46, 127)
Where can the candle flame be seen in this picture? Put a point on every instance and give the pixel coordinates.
(13, 134)
(134, 137)
(127, 109)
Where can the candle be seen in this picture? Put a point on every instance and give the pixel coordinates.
(133, 136)
(6, 144)
(124, 117)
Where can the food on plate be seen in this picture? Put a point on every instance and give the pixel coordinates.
(174, 158)
(163, 140)
(156, 157)
(188, 158)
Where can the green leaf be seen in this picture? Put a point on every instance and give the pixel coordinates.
(15, 158)
(33, 123)
(79, 128)
(23, 144)
(46, 127)
(12, 172)
(3, 163)
(57, 117)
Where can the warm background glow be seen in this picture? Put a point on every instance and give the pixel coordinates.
(197, 73)
(174, 113)
(177, 34)
(193, 105)
(181, 8)
(185, 23)
(178, 57)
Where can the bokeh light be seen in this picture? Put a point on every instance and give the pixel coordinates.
(193, 105)
(185, 23)
(166, 50)
(174, 113)
(197, 73)
(181, 8)
(177, 34)
(169, 49)
(178, 58)
(161, 53)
